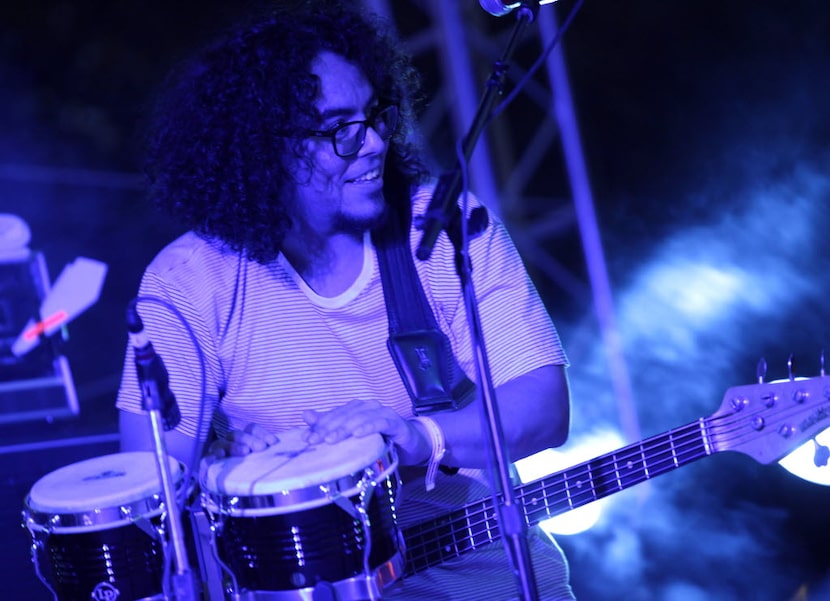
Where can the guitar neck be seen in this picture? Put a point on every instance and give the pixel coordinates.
(476, 524)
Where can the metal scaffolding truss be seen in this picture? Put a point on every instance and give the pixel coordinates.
(528, 167)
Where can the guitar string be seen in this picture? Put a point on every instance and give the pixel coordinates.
(670, 450)
(463, 522)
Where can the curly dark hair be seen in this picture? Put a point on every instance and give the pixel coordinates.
(228, 120)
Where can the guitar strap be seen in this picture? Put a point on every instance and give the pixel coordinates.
(421, 351)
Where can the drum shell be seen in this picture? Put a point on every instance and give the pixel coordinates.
(98, 528)
(298, 515)
(289, 551)
(126, 558)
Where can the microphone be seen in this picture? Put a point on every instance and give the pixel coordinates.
(152, 374)
(497, 8)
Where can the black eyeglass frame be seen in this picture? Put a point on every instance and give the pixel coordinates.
(372, 121)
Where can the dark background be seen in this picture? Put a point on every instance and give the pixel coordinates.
(705, 131)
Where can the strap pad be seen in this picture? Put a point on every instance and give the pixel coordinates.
(423, 358)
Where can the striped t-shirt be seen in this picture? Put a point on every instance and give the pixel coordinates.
(252, 343)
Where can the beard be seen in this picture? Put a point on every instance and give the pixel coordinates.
(358, 224)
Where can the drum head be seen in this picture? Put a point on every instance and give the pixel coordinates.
(107, 481)
(291, 464)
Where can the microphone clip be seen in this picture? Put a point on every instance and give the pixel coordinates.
(153, 378)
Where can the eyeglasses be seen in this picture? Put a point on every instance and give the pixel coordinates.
(348, 138)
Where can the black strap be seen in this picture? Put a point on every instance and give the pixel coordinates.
(420, 350)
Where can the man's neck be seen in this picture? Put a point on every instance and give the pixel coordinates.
(330, 268)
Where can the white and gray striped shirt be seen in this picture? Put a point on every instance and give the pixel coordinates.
(271, 347)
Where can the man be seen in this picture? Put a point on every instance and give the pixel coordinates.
(282, 148)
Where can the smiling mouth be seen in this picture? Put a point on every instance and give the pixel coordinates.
(369, 176)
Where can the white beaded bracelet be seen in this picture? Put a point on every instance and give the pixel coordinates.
(439, 449)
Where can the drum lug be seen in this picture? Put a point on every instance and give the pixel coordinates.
(214, 518)
(216, 527)
(148, 528)
(346, 505)
(39, 536)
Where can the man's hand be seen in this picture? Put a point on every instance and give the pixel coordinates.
(361, 418)
(243, 442)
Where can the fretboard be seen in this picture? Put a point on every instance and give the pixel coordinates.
(476, 524)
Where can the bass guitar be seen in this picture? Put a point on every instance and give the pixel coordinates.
(765, 421)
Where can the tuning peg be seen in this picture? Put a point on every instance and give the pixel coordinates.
(821, 362)
(761, 370)
(790, 367)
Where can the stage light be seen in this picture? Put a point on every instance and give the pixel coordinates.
(810, 460)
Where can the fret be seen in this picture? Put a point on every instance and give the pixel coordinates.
(470, 528)
(492, 529)
(473, 525)
(617, 472)
(546, 497)
(533, 500)
(590, 482)
(445, 542)
(633, 469)
(567, 489)
(673, 450)
(431, 542)
(604, 477)
(643, 457)
(428, 553)
(578, 485)
(477, 526)
(563, 501)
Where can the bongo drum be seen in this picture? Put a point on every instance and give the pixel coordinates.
(97, 528)
(298, 520)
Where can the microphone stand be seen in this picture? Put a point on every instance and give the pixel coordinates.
(443, 213)
(152, 377)
(182, 580)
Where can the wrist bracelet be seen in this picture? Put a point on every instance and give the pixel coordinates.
(439, 449)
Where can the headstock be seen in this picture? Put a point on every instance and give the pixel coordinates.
(768, 420)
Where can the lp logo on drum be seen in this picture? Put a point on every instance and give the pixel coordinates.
(106, 475)
(104, 591)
